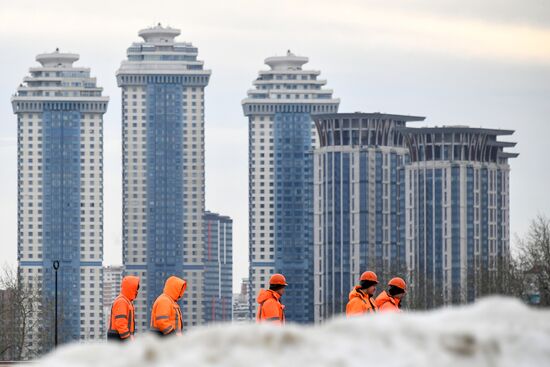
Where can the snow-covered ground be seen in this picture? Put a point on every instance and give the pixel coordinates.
(492, 332)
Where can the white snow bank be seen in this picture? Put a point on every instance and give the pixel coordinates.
(492, 332)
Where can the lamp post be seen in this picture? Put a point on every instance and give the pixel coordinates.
(55, 268)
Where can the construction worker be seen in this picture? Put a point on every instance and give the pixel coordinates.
(122, 324)
(361, 299)
(166, 318)
(270, 308)
(389, 301)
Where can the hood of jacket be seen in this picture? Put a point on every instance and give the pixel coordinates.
(129, 287)
(266, 294)
(175, 287)
(357, 293)
(385, 297)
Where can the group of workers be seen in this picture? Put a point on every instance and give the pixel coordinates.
(166, 317)
(361, 298)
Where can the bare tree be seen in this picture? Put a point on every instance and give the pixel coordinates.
(508, 278)
(18, 316)
(534, 257)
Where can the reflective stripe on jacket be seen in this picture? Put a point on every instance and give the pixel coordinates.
(122, 320)
(270, 308)
(166, 317)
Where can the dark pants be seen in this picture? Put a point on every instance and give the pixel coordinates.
(160, 334)
(115, 337)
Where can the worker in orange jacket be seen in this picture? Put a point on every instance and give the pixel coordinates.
(122, 322)
(389, 301)
(166, 317)
(361, 299)
(270, 308)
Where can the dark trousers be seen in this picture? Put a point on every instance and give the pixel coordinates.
(115, 337)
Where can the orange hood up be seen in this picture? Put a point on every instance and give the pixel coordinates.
(175, 287)
(129, 287)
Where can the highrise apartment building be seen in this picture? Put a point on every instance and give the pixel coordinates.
(359, 211)
(218, 268)
(59, 112)
(163, 85)
(457, 195)
(281, 141)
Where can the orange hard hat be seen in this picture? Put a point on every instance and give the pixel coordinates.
(398, 282)
(277, 279)
(369, 275)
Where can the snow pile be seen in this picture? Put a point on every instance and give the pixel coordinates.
(492, 332)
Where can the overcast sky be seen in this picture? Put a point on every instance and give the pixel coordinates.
(481, 63)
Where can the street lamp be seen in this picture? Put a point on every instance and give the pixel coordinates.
(55, 268)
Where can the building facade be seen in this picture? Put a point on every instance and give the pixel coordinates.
(457, 211)
(359, 189)
(281, 141)
(218, 268)
(241, 311)
(59, 112)
(9, 311)
(112, 279)
(163, 86)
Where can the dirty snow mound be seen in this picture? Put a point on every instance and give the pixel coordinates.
(492, 332)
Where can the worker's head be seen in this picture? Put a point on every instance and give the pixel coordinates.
(397, 287)
(368, 282)
(277, 283)
(175, 287)
(129, 287)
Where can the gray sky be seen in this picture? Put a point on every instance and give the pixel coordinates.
(481, 63)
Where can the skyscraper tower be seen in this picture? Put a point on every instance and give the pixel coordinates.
(59, 112)
(359, 190)
(281, 142)
(163, 167)
(457, 210)
(218, 268)
(112, 279)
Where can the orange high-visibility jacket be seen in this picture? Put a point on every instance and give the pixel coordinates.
(166, 315)
(359, 303)
(122, 323)
(270, 307)
(387, 303)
